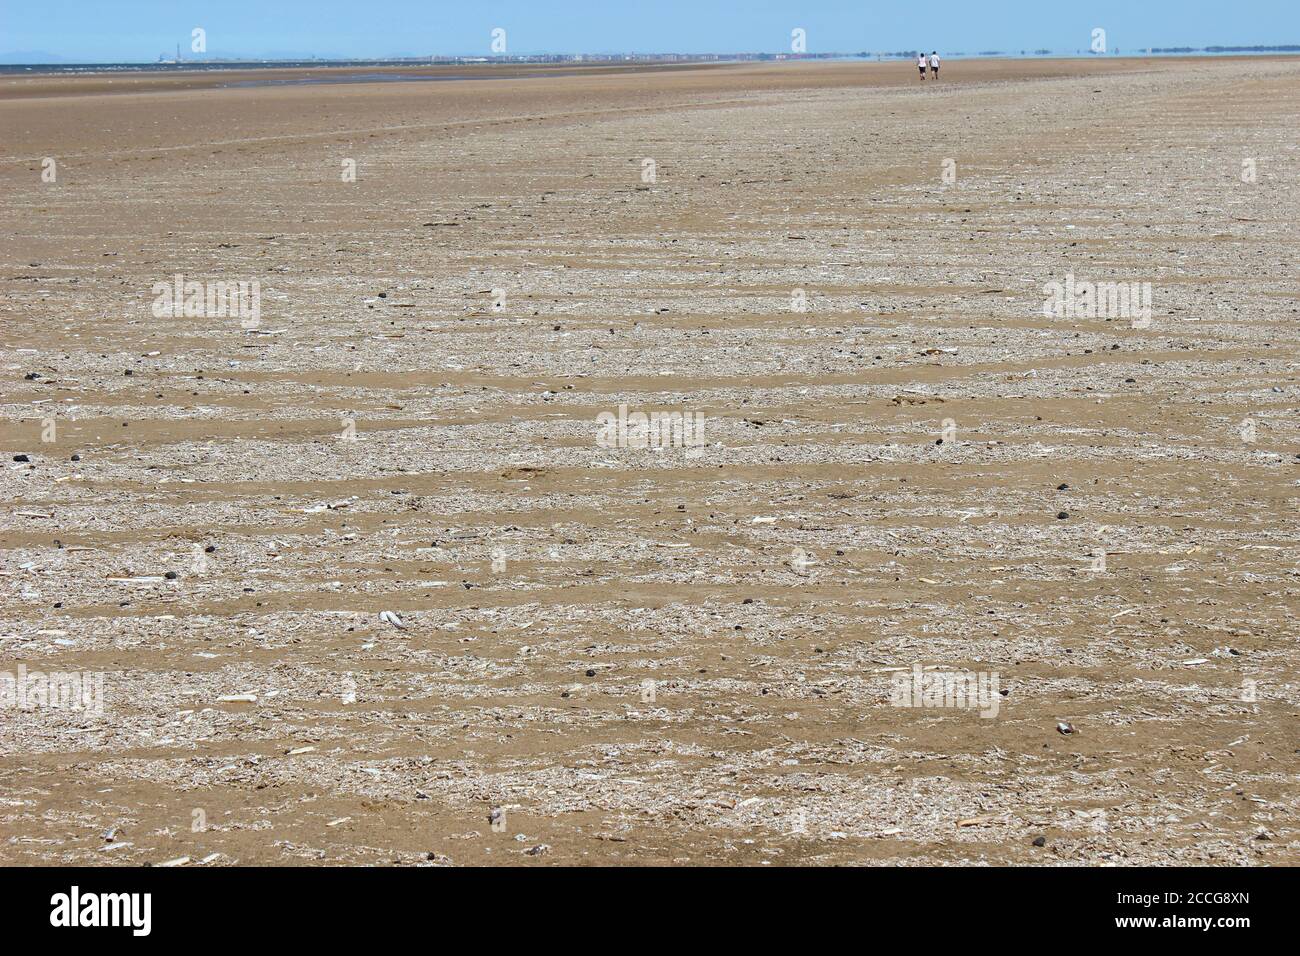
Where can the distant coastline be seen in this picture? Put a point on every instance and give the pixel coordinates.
(612, 59)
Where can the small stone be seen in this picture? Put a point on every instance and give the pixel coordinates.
(1063, 515)
(1062, 487)
(171, 575)
(21, 458)
(209, 549)
(76, 458)
(1040, 841)
(591, 673)
(1065, 728)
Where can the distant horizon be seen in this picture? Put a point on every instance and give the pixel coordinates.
(43, 58)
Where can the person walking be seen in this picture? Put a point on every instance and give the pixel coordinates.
(934, 65)
(920, 63)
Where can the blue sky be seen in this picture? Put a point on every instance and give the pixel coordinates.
(139, 30)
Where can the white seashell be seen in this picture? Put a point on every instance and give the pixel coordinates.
(389, 617)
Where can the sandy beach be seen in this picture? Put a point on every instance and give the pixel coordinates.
(599, 653)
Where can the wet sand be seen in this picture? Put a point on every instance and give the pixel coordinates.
(889, 419)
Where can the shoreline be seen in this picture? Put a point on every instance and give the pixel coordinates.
(758, 75)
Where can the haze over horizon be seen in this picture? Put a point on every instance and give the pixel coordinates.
(142, 30)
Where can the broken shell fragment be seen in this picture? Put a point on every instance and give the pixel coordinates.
(389, 617)
(1065, 728)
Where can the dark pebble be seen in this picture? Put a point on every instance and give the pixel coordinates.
(21, 458)
(1063, 515)
(171, 575)
(1040, 841)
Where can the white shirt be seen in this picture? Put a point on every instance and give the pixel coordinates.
(920, 59)
(934, 60)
